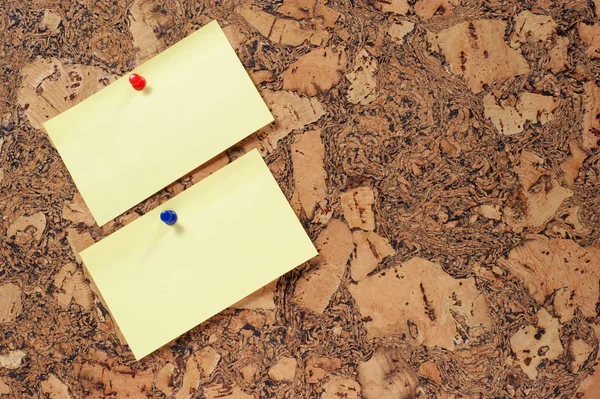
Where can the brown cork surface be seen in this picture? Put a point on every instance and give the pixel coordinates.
(443, 155)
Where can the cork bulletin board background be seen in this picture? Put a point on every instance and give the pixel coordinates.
(442, 154)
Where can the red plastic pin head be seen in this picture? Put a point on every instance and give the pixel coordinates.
(137, 81)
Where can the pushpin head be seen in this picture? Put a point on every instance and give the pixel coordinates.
(138, 82)
(169, 217)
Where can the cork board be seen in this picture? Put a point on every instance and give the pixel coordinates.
(442, 155)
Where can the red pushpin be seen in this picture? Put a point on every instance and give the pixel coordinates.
(137, 81)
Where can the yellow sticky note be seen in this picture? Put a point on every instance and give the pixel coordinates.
(235, 233)
(122, 145)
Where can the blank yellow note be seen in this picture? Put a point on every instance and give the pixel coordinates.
(235, 233)
(121, 146)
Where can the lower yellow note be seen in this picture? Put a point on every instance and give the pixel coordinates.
(235, 233)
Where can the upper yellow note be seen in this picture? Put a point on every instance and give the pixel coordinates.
(122, 145)
(235, 233)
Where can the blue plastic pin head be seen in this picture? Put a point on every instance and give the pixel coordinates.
(169, 217)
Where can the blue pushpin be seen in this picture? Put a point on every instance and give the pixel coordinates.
(169, 217)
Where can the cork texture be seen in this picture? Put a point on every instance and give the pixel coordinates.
(443, 155)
